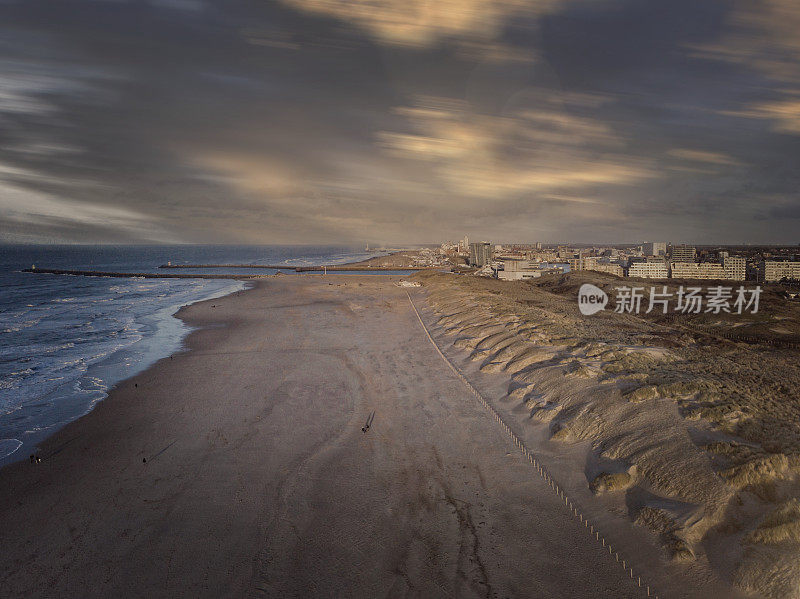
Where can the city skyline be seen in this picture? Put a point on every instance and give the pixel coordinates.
(191, 121)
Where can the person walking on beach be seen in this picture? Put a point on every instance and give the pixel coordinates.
(366, 426)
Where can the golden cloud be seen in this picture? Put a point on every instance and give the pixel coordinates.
(536, 151)
(252, 173)
(552, 161)
(703, 156)
(423, 22)
(784, 113)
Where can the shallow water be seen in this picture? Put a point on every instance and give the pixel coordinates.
(65, 341)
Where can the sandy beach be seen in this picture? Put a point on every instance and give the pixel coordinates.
(239, 468)
(675, 425)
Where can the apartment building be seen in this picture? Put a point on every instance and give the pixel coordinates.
(480, 254)
(655, 248)
(612, 269)
(582, 263)
(649, 270)
(773, 270)
(735, 267)
(693, 270)
(683, 253)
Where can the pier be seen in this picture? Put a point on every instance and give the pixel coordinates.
(242, 276)
(137, 275)
(332, 268)
(267, 266)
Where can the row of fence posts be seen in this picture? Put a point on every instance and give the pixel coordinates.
(536, 463)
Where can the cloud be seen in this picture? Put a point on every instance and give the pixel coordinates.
(34, 211)
(425, 22)
(703, 156)
(334, 121)
(256, 174)
(785, 114)
(761, 36)
(542, 149)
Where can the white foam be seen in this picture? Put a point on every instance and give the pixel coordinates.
(9, 446)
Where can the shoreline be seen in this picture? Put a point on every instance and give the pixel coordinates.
(239, 467)
(70, 447)
(22, 440)
(147, 351)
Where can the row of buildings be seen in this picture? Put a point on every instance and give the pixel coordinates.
(732, 268)
(778, 270)
(651, 260)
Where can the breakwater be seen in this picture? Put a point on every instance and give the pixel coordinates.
(142, 275)
(333, 268)
(267, 266)
(345, 267)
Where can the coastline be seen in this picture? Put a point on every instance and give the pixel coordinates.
(86, 452)
(24, 431)
(163, 333)
(239, 468)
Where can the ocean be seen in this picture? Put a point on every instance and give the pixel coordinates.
(66, 340)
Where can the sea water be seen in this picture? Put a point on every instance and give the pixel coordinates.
(66, 340)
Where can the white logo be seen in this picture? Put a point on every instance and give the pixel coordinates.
(689, 300)
(591, 299)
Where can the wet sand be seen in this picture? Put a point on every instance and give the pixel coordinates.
(259, 481)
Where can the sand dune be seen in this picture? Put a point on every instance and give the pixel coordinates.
(685, 432)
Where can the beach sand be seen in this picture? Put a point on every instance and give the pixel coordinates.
(668, 423)
(259, 481)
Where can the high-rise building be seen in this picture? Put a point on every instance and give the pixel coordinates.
(655, 248)
(480, 254)
(735, 268)
(683, 253)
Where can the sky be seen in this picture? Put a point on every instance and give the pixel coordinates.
(399, 121)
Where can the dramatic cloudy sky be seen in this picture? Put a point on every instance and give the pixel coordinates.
(300, 121)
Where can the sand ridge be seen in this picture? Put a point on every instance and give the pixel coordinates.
(653, 435)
